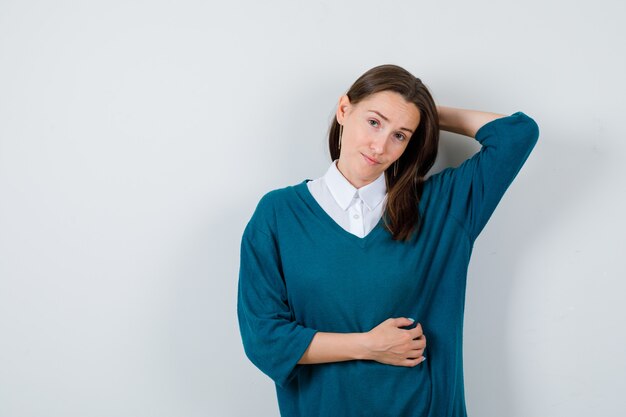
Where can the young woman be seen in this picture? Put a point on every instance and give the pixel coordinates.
(352, 286)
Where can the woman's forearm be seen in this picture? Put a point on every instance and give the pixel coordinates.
(335, 347)
(390, 342)
(464, 121)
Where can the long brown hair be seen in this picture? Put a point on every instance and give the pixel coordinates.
(401, 215)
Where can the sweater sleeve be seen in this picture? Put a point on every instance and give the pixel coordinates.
(475, 187)
(273, 341)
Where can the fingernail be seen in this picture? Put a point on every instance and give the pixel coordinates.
(411, 319)
(424, 358)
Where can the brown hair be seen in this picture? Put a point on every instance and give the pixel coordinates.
(401, 215)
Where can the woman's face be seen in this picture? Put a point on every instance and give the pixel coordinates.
(375, 133)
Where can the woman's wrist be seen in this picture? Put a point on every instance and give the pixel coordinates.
(362, 345)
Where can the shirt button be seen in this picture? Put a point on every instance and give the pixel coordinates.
(356, 216)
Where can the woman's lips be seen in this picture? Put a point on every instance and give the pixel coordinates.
(370, 160)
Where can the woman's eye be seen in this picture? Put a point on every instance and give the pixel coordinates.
(373, 123)
(400, 136)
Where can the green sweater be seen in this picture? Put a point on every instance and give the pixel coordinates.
(300, 273)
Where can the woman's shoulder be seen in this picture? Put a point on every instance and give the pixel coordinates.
(280, 195)
(272, 201)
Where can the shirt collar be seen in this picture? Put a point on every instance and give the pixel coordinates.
(343, 192)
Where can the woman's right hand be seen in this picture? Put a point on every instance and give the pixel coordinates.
(389, 344)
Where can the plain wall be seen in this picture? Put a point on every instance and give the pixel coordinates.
(136, 138)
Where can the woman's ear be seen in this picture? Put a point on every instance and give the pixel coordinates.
(343, 108)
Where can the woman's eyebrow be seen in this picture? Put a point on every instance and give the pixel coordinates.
(385, 119)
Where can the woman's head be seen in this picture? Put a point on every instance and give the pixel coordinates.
(375, 131)
(388, 116)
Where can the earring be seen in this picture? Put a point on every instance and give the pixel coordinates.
(340, 133)
(395, 168)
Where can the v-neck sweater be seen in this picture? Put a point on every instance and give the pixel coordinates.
(300, 273)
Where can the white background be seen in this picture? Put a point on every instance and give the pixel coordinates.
(136, 138)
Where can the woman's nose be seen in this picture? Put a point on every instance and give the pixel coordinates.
(378, 143)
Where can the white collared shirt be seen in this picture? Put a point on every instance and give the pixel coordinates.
(358, 211)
